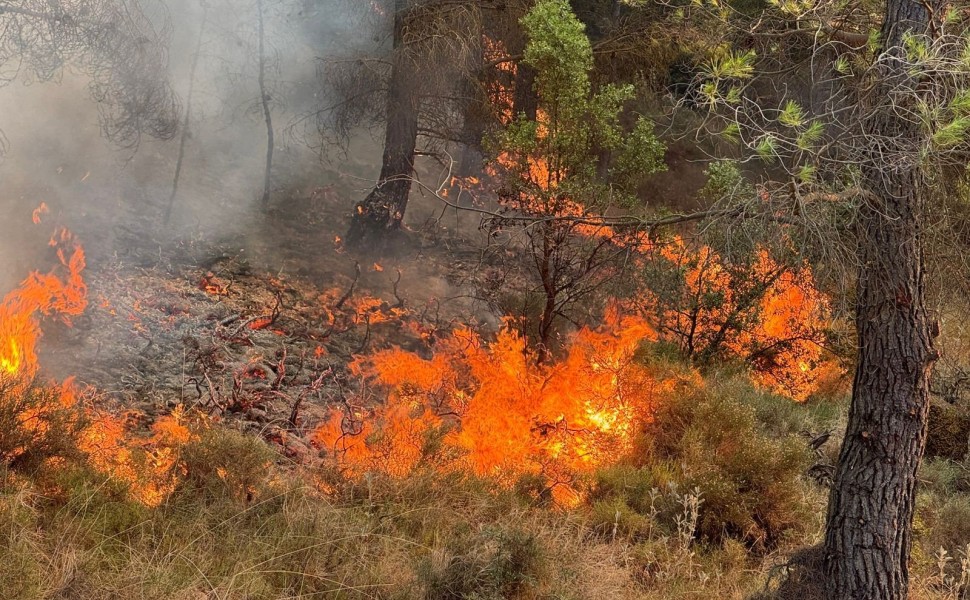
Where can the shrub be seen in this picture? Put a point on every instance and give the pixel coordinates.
(750, 482)
(949, 431)
(224, 462)
(37, 424)
(494, 564)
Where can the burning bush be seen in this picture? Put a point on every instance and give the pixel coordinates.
(37, 424)
(494, 410)
(148, 465)
(768, 314)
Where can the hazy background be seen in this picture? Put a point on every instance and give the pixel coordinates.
(113, 198)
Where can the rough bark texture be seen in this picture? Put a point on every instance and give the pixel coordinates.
(869, 527)
(383, 209)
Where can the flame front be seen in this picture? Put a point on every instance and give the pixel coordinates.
(491, 409)
(61, 293)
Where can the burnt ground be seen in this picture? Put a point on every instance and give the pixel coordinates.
(242, 313)
(286, 309)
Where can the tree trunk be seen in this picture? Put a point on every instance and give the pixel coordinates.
(383, 209)
(267, 113)
(869, 526)
(525, 100)
(476, 104)
(188, 114)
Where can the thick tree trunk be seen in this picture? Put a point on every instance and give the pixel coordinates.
(869, 527)
(525, 100)
(868, 535)
(383, 209)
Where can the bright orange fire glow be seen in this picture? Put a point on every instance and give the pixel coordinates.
(148, 465)
(61, 292)
(490, 408)
(499, 90)
(39, 212)
(771, 315)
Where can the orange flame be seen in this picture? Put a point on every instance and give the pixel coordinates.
(38, 212)
(61, 292)
(780, 332)
(498, 413)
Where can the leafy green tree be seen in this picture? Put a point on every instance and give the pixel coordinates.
(551, 166)
(861, 162)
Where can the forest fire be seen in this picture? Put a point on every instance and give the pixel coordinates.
(494, 411)
(457, 299)
(770, 314)
(60, 293)
(144, 464)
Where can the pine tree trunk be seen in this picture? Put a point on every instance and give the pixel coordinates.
(383, 209)
(869, 526)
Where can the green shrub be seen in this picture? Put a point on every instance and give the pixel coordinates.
(750, 481)
(494, 564)
(226, 463)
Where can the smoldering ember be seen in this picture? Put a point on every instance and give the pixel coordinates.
(518, 299)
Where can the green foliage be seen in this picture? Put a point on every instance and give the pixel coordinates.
(810, 136)
(792, 114)
(224, 462)
(842, 66)
(560, 52)
(916, 47)
(641, 154)
(724, 181)
(731, 133)
(767, 148)
(575, 123)
(711, 440)
(732, 65)
(952, 133)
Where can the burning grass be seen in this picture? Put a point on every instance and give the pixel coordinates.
(658, 526)
(492, 409)
(465, 467)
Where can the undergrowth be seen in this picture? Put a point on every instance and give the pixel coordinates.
(714, 502)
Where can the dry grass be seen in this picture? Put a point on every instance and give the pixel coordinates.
(240, 527)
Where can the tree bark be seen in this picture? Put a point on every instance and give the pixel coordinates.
(869, 525)
(267, 113)
(383, 209)
(525, 100)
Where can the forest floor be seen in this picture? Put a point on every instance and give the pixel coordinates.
(252, 319)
